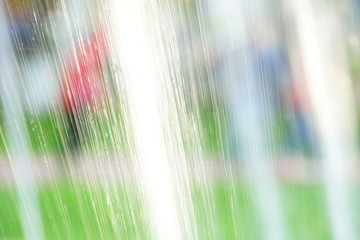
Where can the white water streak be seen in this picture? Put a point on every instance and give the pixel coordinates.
(18, 147)
(238, 18)
(143, 85)
(331, 98)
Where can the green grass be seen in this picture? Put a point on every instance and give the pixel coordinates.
(221, 211)
(109, 129)
(47, 132)
(79, 212)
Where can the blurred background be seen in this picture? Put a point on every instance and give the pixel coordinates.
(179, 119)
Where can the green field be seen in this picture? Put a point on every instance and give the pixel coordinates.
(221, 211)
(109, 127)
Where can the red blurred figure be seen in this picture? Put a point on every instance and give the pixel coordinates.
(81, 82)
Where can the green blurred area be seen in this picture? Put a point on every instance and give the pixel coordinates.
(222, 211)
(47, 132)
(109, 130)
(78, 212)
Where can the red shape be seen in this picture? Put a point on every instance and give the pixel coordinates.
(81, 82)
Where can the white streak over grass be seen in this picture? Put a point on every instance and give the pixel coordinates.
(143, 85)
(247, 103)
(331, 98)
(18, 148)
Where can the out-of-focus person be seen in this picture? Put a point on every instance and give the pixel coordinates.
(81, 52)
(251, 64)
(301, 137)
(33, 52)
(82, 88)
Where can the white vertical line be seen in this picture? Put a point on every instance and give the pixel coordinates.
(330, 95)
(143, 84)
(16, 135)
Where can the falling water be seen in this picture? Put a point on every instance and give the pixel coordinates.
(176, 120)
(18, 148)
(331, 96)
(248, 108)
(144, 72)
